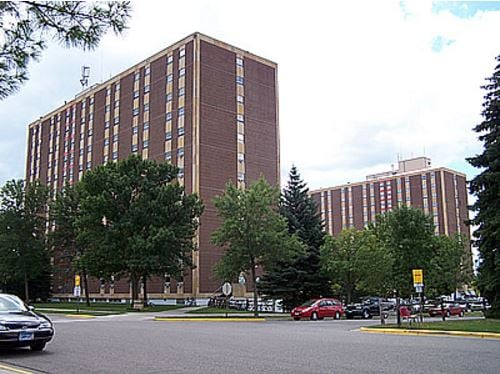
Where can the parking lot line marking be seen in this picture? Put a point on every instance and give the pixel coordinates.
(216, 319)
(14, 370)
(84, 316)
(467, 334)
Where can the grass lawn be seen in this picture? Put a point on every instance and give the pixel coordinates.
(477, 325)
(111, 308)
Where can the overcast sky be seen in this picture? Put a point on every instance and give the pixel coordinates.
(359, 82)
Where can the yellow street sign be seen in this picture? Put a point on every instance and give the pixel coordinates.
(418, 277)
(77, 281)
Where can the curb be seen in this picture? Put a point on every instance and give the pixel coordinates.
(469, 334)
(82, 316)
(208, 319)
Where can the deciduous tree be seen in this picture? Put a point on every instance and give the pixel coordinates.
(252, 232)
(136, 221)
(23, 255)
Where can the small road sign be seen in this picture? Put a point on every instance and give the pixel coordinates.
(418, 277)
(226, 289)
(77, 280)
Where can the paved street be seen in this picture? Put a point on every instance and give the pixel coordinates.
(136, 344)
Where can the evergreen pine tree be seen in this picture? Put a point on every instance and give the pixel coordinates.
(301, 278)
(486, 187)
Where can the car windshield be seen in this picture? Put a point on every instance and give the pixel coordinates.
(309, 303)
(11, 304)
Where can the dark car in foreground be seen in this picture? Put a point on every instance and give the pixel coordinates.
(318, 309)
(20, 326)
(368, 307)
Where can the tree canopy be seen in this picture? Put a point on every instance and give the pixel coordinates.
(136, 220)
(23, 255)
(27, 26)
(486, 187)
(252, 232)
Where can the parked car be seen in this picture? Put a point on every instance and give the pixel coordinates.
(368, 307)
(21, 326)
(453, 309)
(318, 309)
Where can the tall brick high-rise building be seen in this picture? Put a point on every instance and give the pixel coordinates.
(201, 104)
(437, 191)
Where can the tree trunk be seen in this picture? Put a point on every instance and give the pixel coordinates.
(145, 281)
(26, 288)
(254, 280)
(135, 291)
(349, 294)
(86, 286)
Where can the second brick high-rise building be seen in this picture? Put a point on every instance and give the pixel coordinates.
(201, 104)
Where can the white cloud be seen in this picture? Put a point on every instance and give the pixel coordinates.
(359, 81)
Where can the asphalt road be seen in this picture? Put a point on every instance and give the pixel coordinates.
(136, 344)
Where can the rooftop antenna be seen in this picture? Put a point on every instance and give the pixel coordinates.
(85, 77)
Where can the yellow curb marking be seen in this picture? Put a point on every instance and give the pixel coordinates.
(14, 370)
(470, 334)
(84, 316)
(166, 319)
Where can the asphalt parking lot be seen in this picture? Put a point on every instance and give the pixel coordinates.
(137, 344)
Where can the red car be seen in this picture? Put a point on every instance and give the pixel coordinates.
(448, 310)
(318, 309)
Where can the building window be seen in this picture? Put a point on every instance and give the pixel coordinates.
(137, 76)
(89, 148)
(135, 129)
(170, 78)
(169, 97)
(107, 108)
(106, 159)
(136, 112)
(239, 61)
(240, 99)
(134, 147)
(181, 173)
(136, 94)
(182, 52)
(106, 141)
(241, 138)
(241, 177)
(240, 80)
(117, 87)
(115, 155)
(117, 120)
(181, 111)
(147, 70)
(182, 72)
(89, 164)
(145, 126)
(145, 144)
(240, 118)
(170, 59)
(169, 116)
(180, 152)
(168, 135)
(147, 88)
(181, 91)
(180, 131)
(146, 107)
(241, 157)
(108, 91)
(115, 138)
(168, 155)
